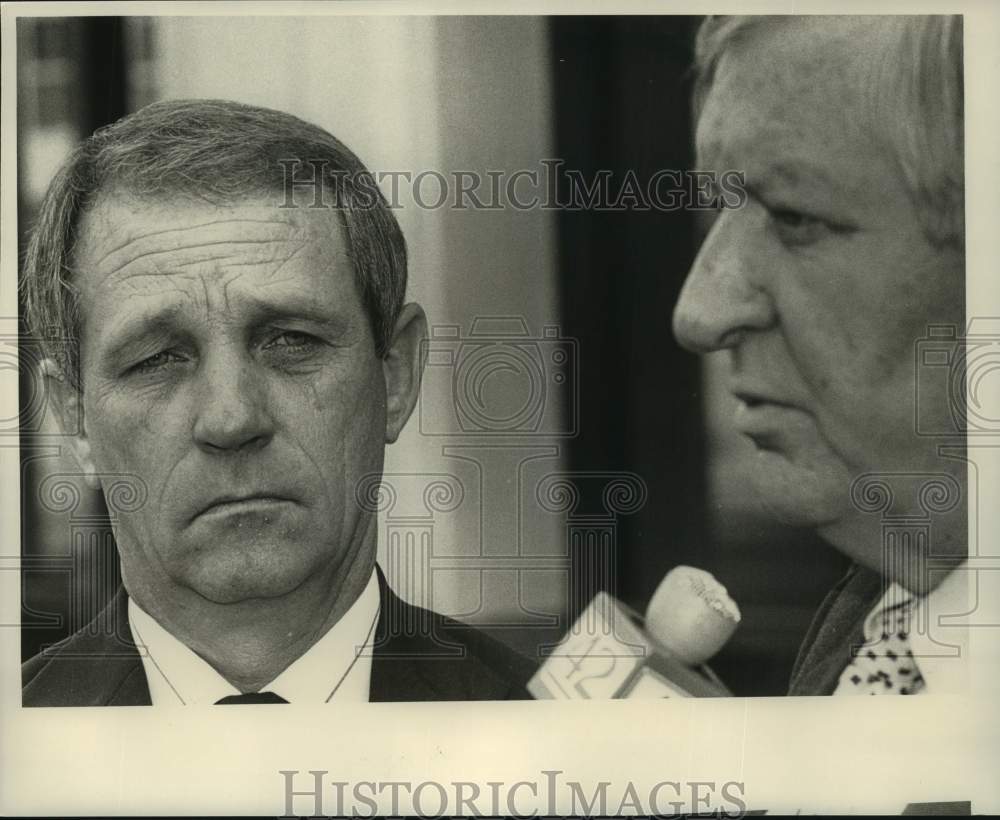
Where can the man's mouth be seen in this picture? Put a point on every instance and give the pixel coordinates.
(260, 503)
(763, 418)
(753, 399)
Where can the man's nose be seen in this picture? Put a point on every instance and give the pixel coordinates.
(720, 301)
(232, 408)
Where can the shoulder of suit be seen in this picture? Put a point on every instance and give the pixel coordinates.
(500, 659)
(446, 659)
(84, 669)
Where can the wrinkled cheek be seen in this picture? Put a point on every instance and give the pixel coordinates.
(127, 465)
(134, 463)
(363, 454)
(363, 462)
(327, 426)
(127, 449)
(862, 398)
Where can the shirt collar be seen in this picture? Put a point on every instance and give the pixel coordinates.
(938, 633)
(940, 641)
(895, 596)
(336, 666)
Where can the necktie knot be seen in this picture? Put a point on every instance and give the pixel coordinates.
(251, 697)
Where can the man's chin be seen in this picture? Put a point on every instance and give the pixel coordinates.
(241, 581)
(238, 591)
(800, 495)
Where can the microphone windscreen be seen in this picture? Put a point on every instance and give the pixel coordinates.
(691, 615)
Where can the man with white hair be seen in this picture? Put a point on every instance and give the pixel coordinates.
(850, 247)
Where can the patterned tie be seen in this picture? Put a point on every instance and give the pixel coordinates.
(885, 664)
(251, 697)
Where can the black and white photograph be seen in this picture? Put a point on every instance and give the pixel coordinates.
(571, 409)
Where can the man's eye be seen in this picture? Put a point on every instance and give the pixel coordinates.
(798, 228)
(290, 341)
(793, 219)
(157, 361)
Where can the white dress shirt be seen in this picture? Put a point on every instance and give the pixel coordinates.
(177, 676)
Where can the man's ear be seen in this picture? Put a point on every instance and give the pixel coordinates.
(403, 365)
(67, 407)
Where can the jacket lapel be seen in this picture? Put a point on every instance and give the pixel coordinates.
(400, 668)
(99, 666)
(837, 627)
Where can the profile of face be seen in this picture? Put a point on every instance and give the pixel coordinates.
(820, 287)
(228, 362)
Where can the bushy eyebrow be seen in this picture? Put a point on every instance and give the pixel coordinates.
(297, 310)
(712, 153)
(790, 172)
(138, 327)
(797, 173)
(167, 320)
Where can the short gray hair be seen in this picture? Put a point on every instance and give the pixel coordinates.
(215, 151)
(916, 102)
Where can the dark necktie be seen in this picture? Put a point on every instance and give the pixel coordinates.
(251, 697)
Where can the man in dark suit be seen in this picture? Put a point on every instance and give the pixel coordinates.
(416, 655)
(227, 285)
(820, 289)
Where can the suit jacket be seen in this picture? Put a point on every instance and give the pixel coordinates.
(418, 655)
(837, 626)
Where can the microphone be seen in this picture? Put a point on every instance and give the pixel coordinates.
(612, 652)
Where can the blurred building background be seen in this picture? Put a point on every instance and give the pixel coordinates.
(594, 396)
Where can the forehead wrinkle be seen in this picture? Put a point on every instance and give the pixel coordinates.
(152, 256)
(229, 277)
(152, 234)
(139, 292)
(220, 256)
(135, 275)
(147, 237)
(220, 248)
(211, 286)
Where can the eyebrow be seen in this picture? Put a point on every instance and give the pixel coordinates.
(792, 172)
(164, 321)
(293, 309)
(804, 183)
(798, 173)
(136, 328)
